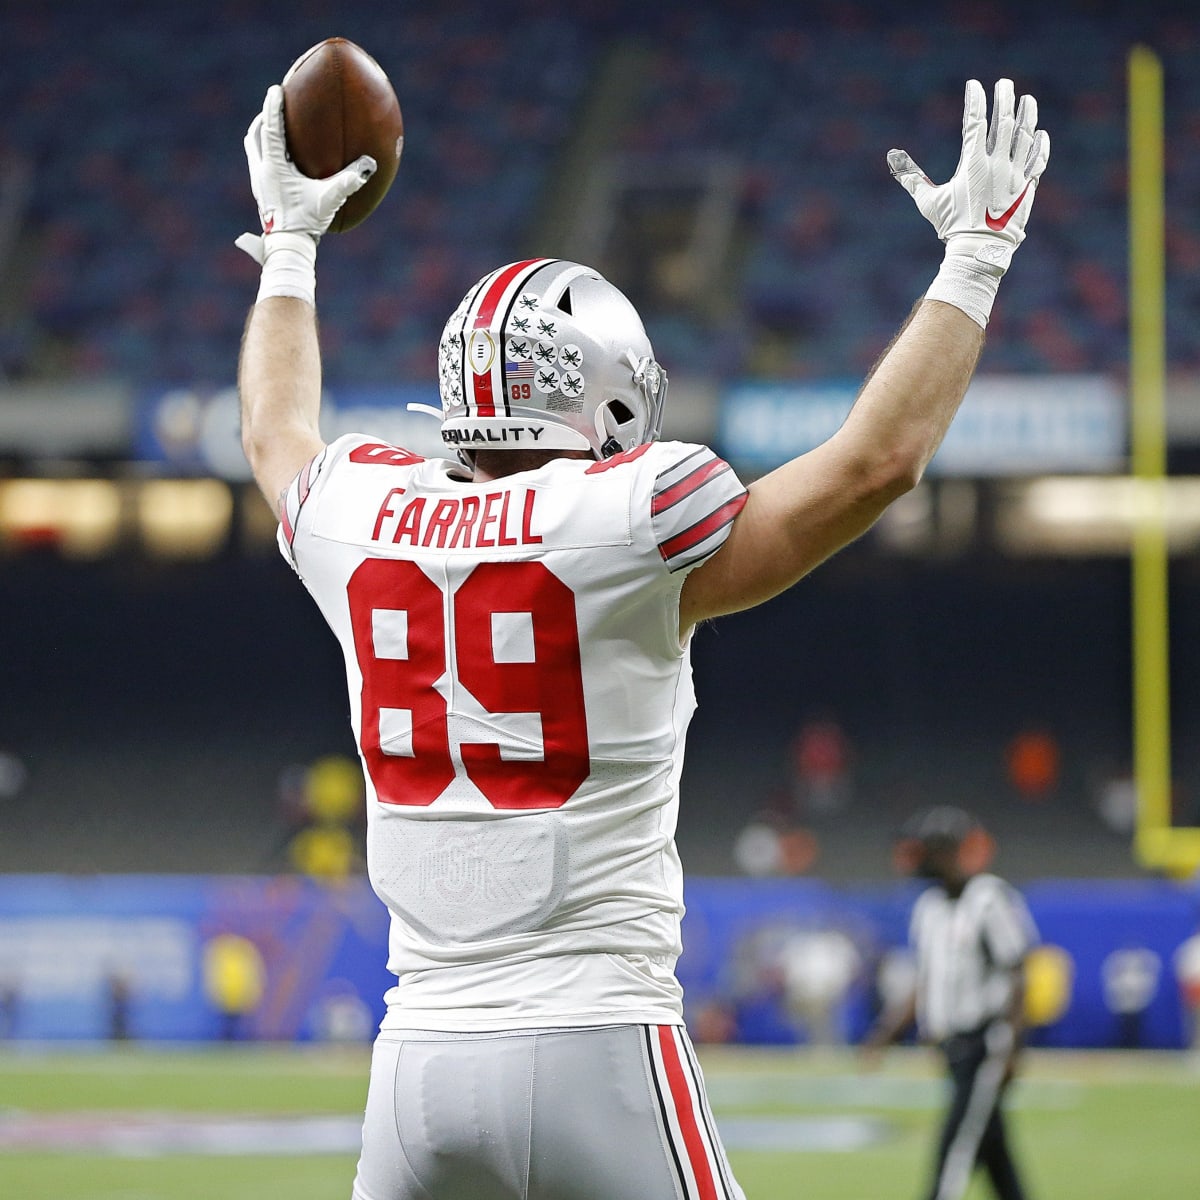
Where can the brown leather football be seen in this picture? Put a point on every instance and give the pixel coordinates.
(339, 104)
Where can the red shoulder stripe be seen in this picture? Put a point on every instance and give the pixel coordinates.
(684, 487)
(697, 533)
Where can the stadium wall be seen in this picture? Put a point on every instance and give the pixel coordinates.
(196, 958)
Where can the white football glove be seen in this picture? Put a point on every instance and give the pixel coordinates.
(294, 209)
(980, 213)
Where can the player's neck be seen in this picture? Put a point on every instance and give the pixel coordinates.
(496, 464)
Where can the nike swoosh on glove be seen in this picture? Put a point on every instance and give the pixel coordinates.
(981, 211)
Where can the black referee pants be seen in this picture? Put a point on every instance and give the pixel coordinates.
(973, 1132)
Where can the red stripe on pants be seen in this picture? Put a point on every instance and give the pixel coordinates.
(681, 1096)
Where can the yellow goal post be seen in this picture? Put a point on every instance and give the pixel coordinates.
(1158, 843)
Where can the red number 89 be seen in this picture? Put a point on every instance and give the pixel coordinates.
(550, 684)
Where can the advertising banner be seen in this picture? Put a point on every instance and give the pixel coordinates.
(1014, 425)
(197, 431)
(765, 960)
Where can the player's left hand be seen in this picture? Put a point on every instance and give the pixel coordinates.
(289, 201)
(981, 211)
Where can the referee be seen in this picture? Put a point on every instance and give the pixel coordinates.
(971, 932)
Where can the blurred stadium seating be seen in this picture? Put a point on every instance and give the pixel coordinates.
(129, 133)
(132, 129)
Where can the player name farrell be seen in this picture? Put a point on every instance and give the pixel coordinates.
(503, 518)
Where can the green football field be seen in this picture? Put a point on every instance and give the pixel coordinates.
(254, 1123)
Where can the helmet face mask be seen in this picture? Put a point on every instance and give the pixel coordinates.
(547, 354)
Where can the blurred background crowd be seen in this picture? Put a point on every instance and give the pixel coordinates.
(598, 128)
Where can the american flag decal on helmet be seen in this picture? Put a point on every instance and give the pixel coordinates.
(695, 501)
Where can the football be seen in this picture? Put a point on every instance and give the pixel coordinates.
(338, 104)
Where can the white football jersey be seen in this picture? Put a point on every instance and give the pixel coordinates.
(520, 697)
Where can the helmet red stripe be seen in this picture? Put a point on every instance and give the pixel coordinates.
(491, 298)
(485, 400)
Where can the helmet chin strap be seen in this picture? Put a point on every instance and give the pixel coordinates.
(613, 435)
(427, 409)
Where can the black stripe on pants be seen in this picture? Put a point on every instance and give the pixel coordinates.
(973, 1132)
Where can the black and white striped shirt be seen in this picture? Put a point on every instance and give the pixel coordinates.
(967, 951)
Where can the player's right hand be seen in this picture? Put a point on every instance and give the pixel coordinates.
(982, 210)
(289, 201)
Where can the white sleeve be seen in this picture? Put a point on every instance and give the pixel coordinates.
(695, 498)
(293, 500)
(1008, 928)
(314, 475)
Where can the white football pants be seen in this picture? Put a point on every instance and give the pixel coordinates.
(604, 1113)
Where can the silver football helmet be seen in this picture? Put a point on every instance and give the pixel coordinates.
(547, 354)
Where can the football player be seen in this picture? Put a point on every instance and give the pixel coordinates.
(516, 622)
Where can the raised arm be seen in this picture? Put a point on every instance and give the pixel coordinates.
(804, 511)
(279, 372)
(279, 380)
